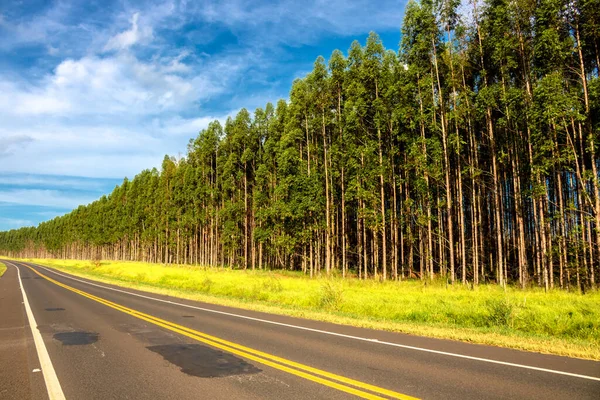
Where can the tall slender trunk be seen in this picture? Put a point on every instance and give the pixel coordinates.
(427, 204)
(382, 195)
(394, 223)
(245, 217)
(327, 210)
(490, 130)
(449, 218)
(519, 218)
(343, 189)
(595, 183)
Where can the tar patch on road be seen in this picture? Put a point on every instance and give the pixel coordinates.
(55, 309)
(204, 362)
(187, 316)
(76, 338)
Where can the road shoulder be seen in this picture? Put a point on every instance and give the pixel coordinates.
(17, 352)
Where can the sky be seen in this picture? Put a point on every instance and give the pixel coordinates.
(94, 91)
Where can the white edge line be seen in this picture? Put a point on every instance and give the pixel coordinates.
(552, 371)
(52, 384)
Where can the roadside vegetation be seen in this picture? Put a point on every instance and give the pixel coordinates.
(2, 269)
(470, 152)
(556, 322)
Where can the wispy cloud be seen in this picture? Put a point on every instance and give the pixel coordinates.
(128, 38)
(8, 143)
(15, 222)
(45, 198)
(32, 27)
(55, 181)
(301, 22)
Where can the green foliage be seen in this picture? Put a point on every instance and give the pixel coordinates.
(471, 151)
(500, 312)
(205, 285)
(330, 296)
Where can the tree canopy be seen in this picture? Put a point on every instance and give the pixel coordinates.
(471, 154)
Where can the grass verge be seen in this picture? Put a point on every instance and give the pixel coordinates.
(2, 269)
(557, 322)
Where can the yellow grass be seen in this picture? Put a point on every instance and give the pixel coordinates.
(557, 322)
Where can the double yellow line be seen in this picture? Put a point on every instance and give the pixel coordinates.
(360, 389)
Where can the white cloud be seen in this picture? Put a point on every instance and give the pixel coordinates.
(175, 65)
(190, 127)
(15, 222)
(123, 84)
(45, 198)
(48, 214)
(10, 142)
(128, 38)
(301, 22)
(62, 182)
(86, 150)
(44, 27)
(101, 149)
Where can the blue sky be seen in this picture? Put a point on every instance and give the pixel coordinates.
(96, 90)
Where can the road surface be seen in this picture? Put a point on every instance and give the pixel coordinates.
(96, 341)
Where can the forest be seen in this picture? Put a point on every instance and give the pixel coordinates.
(468, 154)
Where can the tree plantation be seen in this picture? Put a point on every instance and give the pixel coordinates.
(471, 153)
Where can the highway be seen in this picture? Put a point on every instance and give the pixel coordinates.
(92, 340)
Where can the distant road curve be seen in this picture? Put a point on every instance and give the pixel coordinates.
(103, 341)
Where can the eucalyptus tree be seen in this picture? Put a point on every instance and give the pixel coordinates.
(471, 154)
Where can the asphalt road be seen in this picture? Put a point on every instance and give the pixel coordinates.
(106, 342)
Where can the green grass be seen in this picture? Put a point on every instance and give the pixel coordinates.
(2, 269)
(556, 322)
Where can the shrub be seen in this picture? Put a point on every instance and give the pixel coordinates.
(205, 285)
(272, 284)
(330, 296)
(500, 312)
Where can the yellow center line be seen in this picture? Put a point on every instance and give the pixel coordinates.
(301, 370)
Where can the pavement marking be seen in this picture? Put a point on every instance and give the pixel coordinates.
(52, 384)
(445, 353)
(304, 371)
